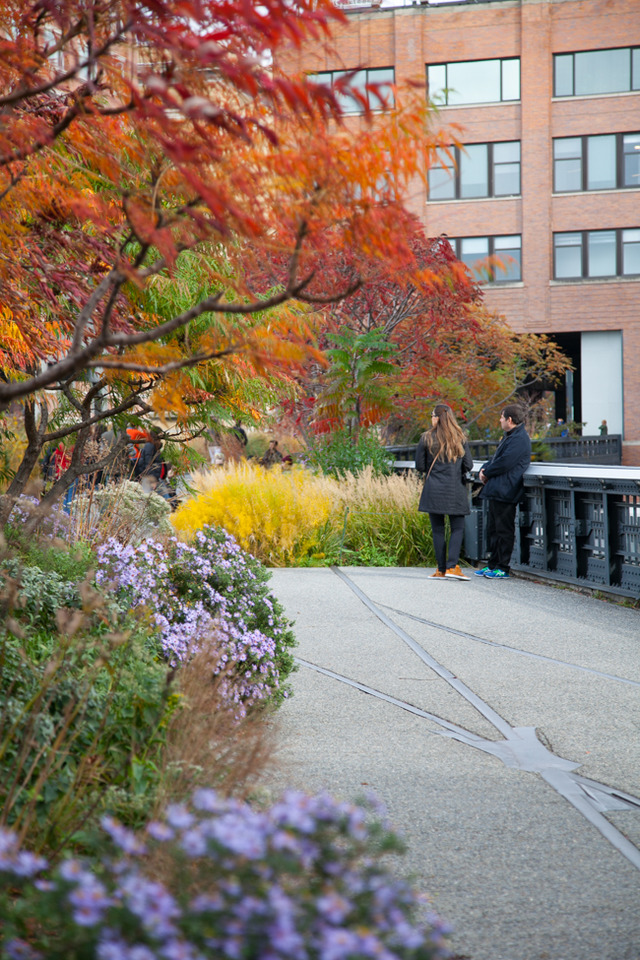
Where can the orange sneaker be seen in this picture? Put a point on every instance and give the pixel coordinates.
(437, 575)
(455, 573)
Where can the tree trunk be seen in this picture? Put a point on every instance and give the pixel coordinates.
(35, 442)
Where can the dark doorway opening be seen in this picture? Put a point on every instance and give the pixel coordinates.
(569, 393)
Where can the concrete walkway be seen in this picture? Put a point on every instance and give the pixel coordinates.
(500, 724)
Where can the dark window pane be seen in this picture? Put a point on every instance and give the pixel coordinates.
(442, 184)
(509, 251)
(437, 81)
(511, 79)
(567, 148)
(601, 246)
(563, 86)
(474, 82)
(601, 163)
(472, 251)
(568, 176)
(506, 180)
(359, 83)
(345, 100)
(385, 76)
(630, 252)
(568, 255)
(631, 152)
(506, 169)
(506, 152)
(474, 179)
(603, 71)
(567, 164)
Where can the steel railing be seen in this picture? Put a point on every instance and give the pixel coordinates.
(577, 524)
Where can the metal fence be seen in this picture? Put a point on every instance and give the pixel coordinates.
(590, 450)
(577, 524)
(581, 525)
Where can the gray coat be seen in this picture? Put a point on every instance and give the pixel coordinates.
(443, 491)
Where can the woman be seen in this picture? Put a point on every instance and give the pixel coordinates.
(443, 455)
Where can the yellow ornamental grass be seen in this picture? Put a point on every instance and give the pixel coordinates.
(274, 514)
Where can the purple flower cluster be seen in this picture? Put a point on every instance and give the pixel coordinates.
(203, 597)
(301, 881)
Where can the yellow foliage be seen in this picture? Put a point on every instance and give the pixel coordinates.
(274, 514)
(289, 517)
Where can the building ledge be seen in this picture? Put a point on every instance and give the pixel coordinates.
(440, 203)
(596, 193)
(582, 281)
(595, 96)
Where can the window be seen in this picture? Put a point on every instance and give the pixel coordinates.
(383, 77)
(596, 253)
(596, 71)
(480, 170)
(603, 162)
(631, 160)
(476, 81)
(472, 251)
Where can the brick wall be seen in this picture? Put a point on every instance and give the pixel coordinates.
(411, 37)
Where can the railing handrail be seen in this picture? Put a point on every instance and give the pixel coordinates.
(606, 450)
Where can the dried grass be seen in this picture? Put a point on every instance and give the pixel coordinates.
(207, 744)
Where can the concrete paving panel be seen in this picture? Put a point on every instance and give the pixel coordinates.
(547, 620)
(582, 717)
(518, 872)
(517, 868)
(335, 631)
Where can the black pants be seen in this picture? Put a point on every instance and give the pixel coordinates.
(501, 534)
(439, 543)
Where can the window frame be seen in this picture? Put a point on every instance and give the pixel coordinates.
(501, 61)
(584, 255)
(584, 162)
(329, 76)
(608, 93)
(496, 278)
(491, 177)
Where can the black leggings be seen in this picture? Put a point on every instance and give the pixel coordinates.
(501, 534)
(456, 523)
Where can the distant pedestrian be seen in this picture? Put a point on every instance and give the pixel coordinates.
(604, 429)
(238, 431)
(443, 455)
(502, 477)
(272, 455)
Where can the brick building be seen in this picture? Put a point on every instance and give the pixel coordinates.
(548, 95)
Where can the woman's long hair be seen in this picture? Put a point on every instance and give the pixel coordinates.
(446, 439)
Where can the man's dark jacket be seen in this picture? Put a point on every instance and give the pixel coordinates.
(505, 470)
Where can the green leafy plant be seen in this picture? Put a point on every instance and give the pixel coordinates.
(340, 453)
(83, 708)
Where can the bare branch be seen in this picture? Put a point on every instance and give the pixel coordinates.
(165, 368)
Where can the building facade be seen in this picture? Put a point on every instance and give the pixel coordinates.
(547, 93)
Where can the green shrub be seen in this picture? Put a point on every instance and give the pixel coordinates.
(83, 709)
(339, 453)
(72, 563)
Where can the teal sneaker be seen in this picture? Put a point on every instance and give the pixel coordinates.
(496, 575)
(481, 573)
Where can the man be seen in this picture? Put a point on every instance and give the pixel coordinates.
(150, 462)
(503, 488)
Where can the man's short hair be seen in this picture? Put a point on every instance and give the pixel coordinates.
(514, 413)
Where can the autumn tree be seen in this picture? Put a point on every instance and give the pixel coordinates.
(135, 131)
(427, 318)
